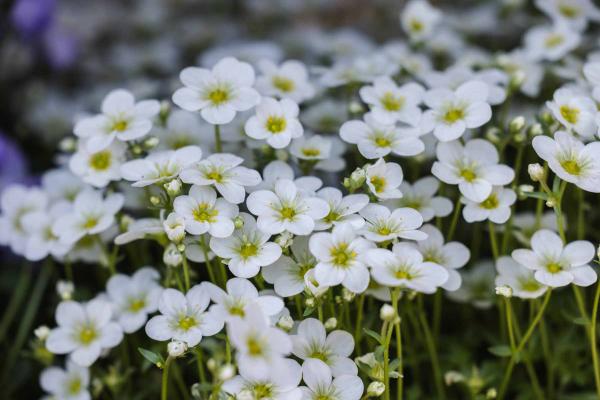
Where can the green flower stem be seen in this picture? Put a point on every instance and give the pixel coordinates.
(186, 272)
(493, 240)
(509, 324)
(386, 334)
(359, 317)
(165, 379)
(21, 289)
(211, 273)
(398, 330)
(218, 146)
(581, 214)
(547, 358)
(431, 349)
(593, 339)
(454, 222)
(521, 345)
(558, 211)
(200, 363)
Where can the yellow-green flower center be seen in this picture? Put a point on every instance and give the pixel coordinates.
(136, 305)
(570, 114)
(283, 84)
(378, 183)
(468, 174)
(100, 161)
(416, 25)
(275, 125)
(311, 152)
(87, 334)
(382, 141)
(287, 213)
(530, 285)
(554, 40)
(74, 386)
(454, 114)
(119, 125)
(215, 176)
(254, 347)
(391, 103)
(403, 274)
(248, 250)
(568, 11)
(218, 96)
(491, 202)
(262, 391)
(342, 255)
(554, 267)
(186, 323)
(90, 222)
(571, 166)
(205, 213)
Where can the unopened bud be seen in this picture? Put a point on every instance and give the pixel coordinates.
(535, 129)
(155, 200)
(355, 107)
(516, 124)
(505, 291)
(282, 155)
(516, 80)
(330, 323)
(310, 302)
(172, 257)
(173, 187)
(211, 364)
(285, 322)
(491, 393)
(125, 221)
(176, 348)
(347, 295)
(41, 332)
(68, 145)
(65, 290)
(238, 222)
(452, 377)
(493, 134)
(387, 313)
(174, 227)
(284, 240)
(226, 372)
(375, 389)
(551, 202)
(151, 142)
(536, 172)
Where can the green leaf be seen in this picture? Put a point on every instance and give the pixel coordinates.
(537, 195)
(501, 350)
(308, 311)
(374, 335)
(151, 356)
(580, 321)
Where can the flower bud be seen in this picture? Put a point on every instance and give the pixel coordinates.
(65, 290)
(330, 324)
(505, 291)
(42, 332)
(452, 377)
(226, 372)
(375, 389)
(68, 145)
(211, 364)
(165, 109)
(173, 187)
(176, 348)
(155, 200)
(536, 172)
(151, 142)
(493, 135)
(285, 322)
(124, 222)
(491, 393)
(172, 257)
(174, 227)
(525, 189)
(355, 107)
(551, 202)
(387, 313)
(348, 295)
(285, 239)
(282, 155)
(196, 391)
(516, 124)
(535, 129)
(358, 177)
(310, 302)
(516, 80)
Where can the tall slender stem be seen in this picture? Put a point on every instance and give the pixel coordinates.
(164, 391)
(493, 240)
(218, 145)
(593, 339)
(186, 272)
(457, 207)
(398, 330)
(431, 349)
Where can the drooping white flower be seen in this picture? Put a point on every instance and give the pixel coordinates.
(419, 19)
(225, 173)
(218, 93)
(41, 240)
(575, 13)
(571, 160)
(311, 342)
(247, 249)
(404, 266)
(321, 385)
(91, 214)
(477, 286)
(324, 152)
(390, 104)
(520, 279)
(184, 317)
(383, 179)
(342, 208)
(174, 227)
(122, 119)
(276, 170)
(496, 207)
(340, 255)
(161, 166)
(473, 167)
(203, 212)
(451, 255)
(554, 263)
(288, 80)
(286, 209)
(84, 330)
(16, 202)
(70, 383)
(100, 167)
(421, 196)
(276, 122)
(382, 224)
(452, 112)
(376, 140)
(551, 42)
(575, 112)
(134, 297)
(260, 347)
(240, 295)
(139, 229)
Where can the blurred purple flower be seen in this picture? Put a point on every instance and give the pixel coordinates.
(60, 47)
(12, 163)
(32, 17)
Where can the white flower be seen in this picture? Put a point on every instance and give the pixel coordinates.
(276, 170)
(139, 229)
(100, 167)
(477, 287)
(419, 19)
(334, 349)
(203, 212)
(183, 129)
(122, 118)
(340, 257)
(529, 73)
(134, 297)
(276, 122)
(496, 207)
(376, 140)
(91, 214)
(240, 295)
(576, 112)
(390, 104)
(260, 347)
(451, 255)
(286, 209)
(473, 167)
(521, 280)
(421, 196)
(62, 185)
(184, 317)
(160, 166)
(383, 224)
(287, 275)
(404, 267)
(575, 13)
(84, 330)
(551, 42)
(288, 80)
(280, 383)
(224, 172)
(554, 263)
(70, 383)
(247, 250)
(218, 93)
(383, 179)
(342, 208)
(41, 240)
(324, 152)
(571, 160)
(174, 227)
(321, 385)
(16, 201)
(452, 112)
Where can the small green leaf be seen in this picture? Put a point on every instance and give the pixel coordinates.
(308, 311)
(151, 356)
(501, 350)
(374, 335)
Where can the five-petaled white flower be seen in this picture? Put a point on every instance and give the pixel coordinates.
(288, 80)
(276, 122)
(98, 168)
(383, 179)
(225, 173)
(70, 383)
(320, 384)
(342, 208)
(496, 207)
(473, 167)
(203, 212)
(576, 112)
(520, 279)
(218, 93)
(421, 196)
(324, 153)
(550, 42)
(247, 249)
(419, 19)
(453, 112)
(84, 330)
(390, 104)
(122, 119)
(554, 263)
(382, 224)
(184, 317)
